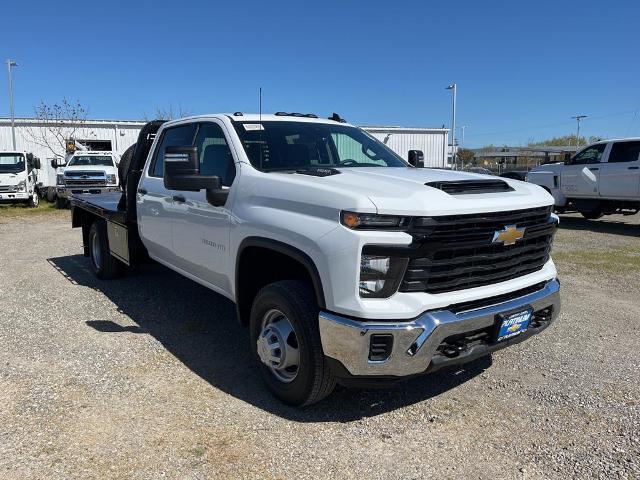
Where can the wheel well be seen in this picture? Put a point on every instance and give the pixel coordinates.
(260, 265)
(84, 219)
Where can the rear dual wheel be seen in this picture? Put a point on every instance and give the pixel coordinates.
(286, 343)
(104, 265)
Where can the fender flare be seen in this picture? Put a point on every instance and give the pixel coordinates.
(284, 249)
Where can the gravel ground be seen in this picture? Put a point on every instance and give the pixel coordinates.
(149, 377)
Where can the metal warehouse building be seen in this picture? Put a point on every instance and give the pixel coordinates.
(123, 133)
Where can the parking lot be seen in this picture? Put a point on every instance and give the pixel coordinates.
(149, 376)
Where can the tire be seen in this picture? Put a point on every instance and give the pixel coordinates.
(34, 201)
(312, 379)
(104, 265)
(592, 215)
(51, 195)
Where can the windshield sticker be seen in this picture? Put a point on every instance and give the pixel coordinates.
(252, 126)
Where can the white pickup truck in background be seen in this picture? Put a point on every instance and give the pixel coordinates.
(347, 263)
(601, 179)
(87, 172)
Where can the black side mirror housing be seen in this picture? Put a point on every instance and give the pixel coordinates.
(182, 173)
(416, 158)
(36, 164)
(567, 158)
(57, 162)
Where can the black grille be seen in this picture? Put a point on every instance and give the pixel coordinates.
(76, 182)
(457, 252)
(467, 187)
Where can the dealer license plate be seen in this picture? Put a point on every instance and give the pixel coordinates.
(513, 324)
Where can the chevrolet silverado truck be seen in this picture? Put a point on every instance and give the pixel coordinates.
(601, 179)
(346, 263)
(18, 178)
(87, 171)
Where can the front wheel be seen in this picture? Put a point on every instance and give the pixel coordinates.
(34, 200)
(104, 265)
(285, 341)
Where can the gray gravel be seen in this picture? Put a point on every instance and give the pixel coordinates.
(149, 377)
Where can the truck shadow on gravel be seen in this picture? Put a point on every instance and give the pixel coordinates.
(200, 329)
(613, 227)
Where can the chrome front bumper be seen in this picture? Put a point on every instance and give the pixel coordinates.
(416, 342)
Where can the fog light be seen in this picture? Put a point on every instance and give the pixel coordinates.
(380, 276)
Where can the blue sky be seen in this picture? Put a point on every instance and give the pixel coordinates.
(522, 68)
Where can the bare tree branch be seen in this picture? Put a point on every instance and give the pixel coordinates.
(55, 124)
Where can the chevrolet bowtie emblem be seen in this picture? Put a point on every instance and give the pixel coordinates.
(509, 235)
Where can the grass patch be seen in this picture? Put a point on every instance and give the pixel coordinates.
(20, 210)
(198, 451)
(618, 261)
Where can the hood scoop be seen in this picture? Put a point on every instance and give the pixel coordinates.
(470, 187)
(318, 171)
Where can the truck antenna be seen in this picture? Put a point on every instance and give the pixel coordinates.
(260, 128)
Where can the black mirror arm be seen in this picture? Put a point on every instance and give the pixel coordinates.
(217, 197)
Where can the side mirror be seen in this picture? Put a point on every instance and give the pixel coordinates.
(416, 158)
(29, 157)
(37, 165)
(567, 158)
(57, 162)
(182, 171)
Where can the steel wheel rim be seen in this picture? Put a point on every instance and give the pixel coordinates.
(278, 346)
(96, 255)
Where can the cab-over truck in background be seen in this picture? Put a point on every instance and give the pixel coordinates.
(347, 263)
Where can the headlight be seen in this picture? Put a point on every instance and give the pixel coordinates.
(60, 179)
(22, 186)
(380, 276)
(371, 221)
(111, 179)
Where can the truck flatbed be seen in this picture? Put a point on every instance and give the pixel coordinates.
(104, 205)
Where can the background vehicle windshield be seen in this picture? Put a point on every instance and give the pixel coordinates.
(84, 160)
(296, 145)
(11, 162)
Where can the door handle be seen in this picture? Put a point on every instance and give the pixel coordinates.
(179, 198)
(593, 169)
(142, 191)
(633, 168)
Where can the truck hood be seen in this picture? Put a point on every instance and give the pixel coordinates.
(403, 191)
(12, 178)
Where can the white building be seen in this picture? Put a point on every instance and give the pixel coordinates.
(123, 133)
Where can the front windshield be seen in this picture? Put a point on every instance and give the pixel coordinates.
(85, 160)
(298, 145)
(11, 162)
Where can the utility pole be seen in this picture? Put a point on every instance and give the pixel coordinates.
(11, 63)
(453, 87)
(578, 118)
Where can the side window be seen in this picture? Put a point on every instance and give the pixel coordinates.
(215, 154)
(589, 155)
(624, 152)
(172, 137)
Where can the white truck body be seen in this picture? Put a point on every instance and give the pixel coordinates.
(18, 177)
(600, 179)
(410, 257)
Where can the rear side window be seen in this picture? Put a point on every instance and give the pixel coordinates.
(181, 136)
(624, 152)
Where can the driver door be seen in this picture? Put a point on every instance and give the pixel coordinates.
(581, 176)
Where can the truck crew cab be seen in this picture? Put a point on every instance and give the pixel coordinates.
(346, 263)
(601, 179)
(18, 178)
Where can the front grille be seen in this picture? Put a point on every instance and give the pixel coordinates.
(8, 188)
(76, 182)
(457, 252)
(468, 187)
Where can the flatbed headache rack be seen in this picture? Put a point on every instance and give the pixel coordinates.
(118, 209)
